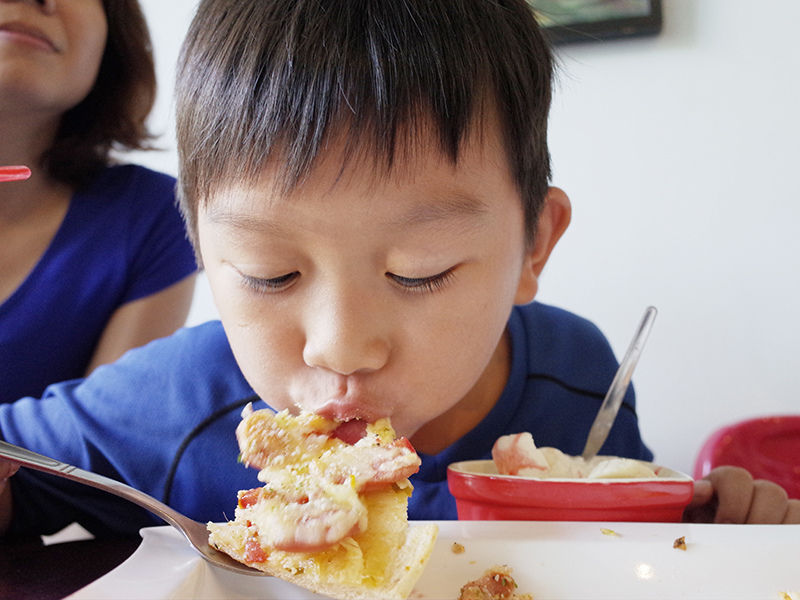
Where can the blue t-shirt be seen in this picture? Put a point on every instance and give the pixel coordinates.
(121, 239)
(163, 417)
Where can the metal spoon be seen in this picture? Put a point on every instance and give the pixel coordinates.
(195, 533)
(613, 400)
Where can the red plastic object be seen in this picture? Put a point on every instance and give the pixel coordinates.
(768, 447)
(481, 494)
(14, 173)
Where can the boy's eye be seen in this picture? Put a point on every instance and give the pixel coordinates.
(423, 284)
(271, 285)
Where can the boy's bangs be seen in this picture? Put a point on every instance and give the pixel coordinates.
(300, 76)
(281, 81)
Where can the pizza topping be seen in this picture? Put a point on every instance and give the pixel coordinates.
(351, 431)
(253, 552)
(300, 515)
(310, 500)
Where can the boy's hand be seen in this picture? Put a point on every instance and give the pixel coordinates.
(731, 495)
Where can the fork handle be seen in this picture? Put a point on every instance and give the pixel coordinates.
(39, 462)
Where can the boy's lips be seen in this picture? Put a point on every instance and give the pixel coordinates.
(346, 410)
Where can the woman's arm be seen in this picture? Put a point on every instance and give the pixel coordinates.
(143, 320)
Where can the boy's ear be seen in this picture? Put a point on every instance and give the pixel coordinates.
(553, 222)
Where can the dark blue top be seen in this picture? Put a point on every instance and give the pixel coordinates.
(162, 419)
(121, 239)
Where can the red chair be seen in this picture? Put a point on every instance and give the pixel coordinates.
(768, 447)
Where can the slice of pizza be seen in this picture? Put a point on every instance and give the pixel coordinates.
(332, 515)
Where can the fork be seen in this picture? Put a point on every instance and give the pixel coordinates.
(195, 533)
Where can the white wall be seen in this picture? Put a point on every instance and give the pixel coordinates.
(681, 154)
(168, 21)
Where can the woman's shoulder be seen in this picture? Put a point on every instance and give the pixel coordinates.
(125, 182)
(130, 197)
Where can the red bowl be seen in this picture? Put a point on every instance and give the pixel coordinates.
(483, 495)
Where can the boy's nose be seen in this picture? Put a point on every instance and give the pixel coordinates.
(347, 337)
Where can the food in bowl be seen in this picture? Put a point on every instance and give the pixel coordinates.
(332, 515)
(518, 455)
(620, 490)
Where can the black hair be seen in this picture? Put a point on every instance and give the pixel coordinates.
(266, 80)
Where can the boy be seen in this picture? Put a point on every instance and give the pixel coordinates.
(366, 183)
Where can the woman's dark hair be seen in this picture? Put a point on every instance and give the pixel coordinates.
(263, 80)
(113, 115)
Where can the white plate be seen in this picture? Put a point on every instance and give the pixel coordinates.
(549, 560)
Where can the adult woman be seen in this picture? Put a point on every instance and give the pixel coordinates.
(93, 256)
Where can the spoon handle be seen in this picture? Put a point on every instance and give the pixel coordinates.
(613, 400)
(194, 532)
(32, 460)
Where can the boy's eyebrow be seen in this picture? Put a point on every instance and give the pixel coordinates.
(452, 207)
(242, 221)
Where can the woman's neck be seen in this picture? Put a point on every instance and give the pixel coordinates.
(31, 213)
(24, 138)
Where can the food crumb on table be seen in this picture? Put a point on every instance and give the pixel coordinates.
(610, 532)
(496, 584)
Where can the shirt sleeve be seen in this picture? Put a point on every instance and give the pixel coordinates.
(160, 253)
(161, 419)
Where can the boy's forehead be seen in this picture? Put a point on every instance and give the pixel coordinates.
(358, 165)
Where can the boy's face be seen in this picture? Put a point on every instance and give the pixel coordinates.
(368, 295)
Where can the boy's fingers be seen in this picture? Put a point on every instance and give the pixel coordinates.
(744, 500)
(703, 492)
(734, 491)
(793, 512)
(769, 503)
(701, 508)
